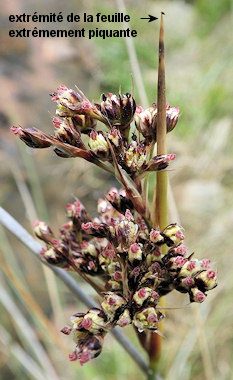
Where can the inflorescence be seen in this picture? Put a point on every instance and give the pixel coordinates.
(119, 252)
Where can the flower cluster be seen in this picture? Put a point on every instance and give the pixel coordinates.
(126, 253)
(136, 264)
(130, 148)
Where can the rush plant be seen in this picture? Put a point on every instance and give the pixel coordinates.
(129, 253)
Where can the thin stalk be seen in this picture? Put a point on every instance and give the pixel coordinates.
(8, 347)
(32, 305)
(160, 196)
(133, 59)
(32, 212)
(27, 334)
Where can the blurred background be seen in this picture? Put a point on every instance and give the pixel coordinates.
(34, 306)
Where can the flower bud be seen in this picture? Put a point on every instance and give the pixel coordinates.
(89, 249)
(65, 133)
(206, 280)
(98, 145)
(147, 318)
(180, 250)
(103, 206)
(126, 234)
(172, 114)
(135, 156)
(141, 295)
(118, 111)
(187, 282)
(94, 321)
(146, 120)
(77, 213)
(118, 200)
(54, 257)
(156, 237)
(32, 137)
(113, 285)
(196, 295)
(205, 263)
(76, 320)
(155, 255)
(66, 330)
(115, 137)
(112, 302)
(159, 162)
(95, 229)
(184, 285)
(84, 123)
(124, 319)
(175, 263)
(88, 348)
(72, 100)
(173, 235)
(190, 268)
(43, 231)
(143, 229)
(135, 253)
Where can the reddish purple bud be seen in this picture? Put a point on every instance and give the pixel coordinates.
(180, 261)
(179, 235)
(117, 276)
(191, 265)
(56, 122)
(86, 323)
(152, 317)
(181, 250)
(134, 248)
(156, 252)
(189, 281)
(60, 91)
(109, 253)
(156, 237)
(205, 263)
(142, 293)
(196, 295)
(155, 295)
(66, 330)
(73, 356)
(124, 321)
(91, 265)
(112, 301)
(87, 227)
(129, 216)
(94, 135)
(200, 297)
(171, 156)
(139, 109)
(84, 244)
(84, 358)
(55, 242)
(211, 274)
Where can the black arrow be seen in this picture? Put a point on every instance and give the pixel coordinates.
(150, 18)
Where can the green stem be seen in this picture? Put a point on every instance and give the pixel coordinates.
(160, 196)
(152, 372)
